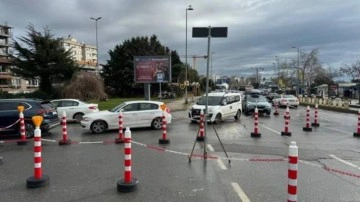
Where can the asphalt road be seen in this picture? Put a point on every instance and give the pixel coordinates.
(89, 168)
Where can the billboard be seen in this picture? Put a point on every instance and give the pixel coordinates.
(152, 69)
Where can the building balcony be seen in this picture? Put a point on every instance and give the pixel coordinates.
(5, 60)
(6, 75)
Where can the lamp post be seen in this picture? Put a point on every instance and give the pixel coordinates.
(97, 47)
(186, 66)
(298, 73)
(211, 67)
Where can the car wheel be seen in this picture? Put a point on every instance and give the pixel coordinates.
(238, 115)
(156, 123)
(78, 116)
(217, 118)
(193, 121)
(98, 127)
(29, 129)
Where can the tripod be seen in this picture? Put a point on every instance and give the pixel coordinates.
(205, 143)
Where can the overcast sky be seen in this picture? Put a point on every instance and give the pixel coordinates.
(258, 30)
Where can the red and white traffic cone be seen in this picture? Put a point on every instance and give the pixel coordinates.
(307, 126)
(201, 135)
(316, 121)
(287, 113)
(38, 180)
(292, 172)
(287, 120)
(120, 139)
(23, 140)
(65, 140)
(164, 139)
(256, 124)
(276, 113)
(128, 184)
(357, 134)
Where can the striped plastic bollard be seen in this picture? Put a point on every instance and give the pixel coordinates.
(23, 140)
(307, 126)
(128, 184)
(164, 139)
(287, 120)
(316, 117)
(276, 113)
(38, 180)
(65, 140)
(357, 134)
(287, 113)
(120, 139)
(292, 172)
(256, 124)
(201, 135)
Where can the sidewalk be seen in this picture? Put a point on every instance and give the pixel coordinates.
(179, 104)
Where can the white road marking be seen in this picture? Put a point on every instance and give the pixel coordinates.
(240, 192)
(98, 142)
(347, 132)
(270, 129)
(221, 164)
(210, 148)
(345, 162)
(48, 140)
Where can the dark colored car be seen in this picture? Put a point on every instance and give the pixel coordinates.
(9, 116)
(272, 96)
(250, 102)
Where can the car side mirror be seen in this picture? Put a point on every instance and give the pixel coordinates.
(224, 102)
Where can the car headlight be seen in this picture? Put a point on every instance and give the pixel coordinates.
(210, 110)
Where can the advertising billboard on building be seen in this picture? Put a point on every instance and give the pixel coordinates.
(152, 69)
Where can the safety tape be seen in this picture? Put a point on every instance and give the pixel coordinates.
(267, 160)
(11, 125)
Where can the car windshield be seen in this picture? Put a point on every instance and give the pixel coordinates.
(257, 99)
(115, 109)
(212, 100)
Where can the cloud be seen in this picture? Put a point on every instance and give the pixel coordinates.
(258, 30)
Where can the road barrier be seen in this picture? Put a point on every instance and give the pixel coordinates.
(23, 140)
(316, 121)
(65, 140)
(38, 180)
(307, 125)
(287, 112)
(276, 113)
(128, 184)
(292, 172)
(256, 124)
(201, 135)
(164, 139)
(357, 134)
(287, 119)
(120, 139)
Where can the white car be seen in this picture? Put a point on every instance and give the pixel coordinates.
(75, 109)
(286, 100)
(136, 114)
(221, 105)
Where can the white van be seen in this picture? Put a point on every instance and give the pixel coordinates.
(221, 105)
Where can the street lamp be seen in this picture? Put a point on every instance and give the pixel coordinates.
(211, 59)
(97, 47)
(298, 73)
(186, 66)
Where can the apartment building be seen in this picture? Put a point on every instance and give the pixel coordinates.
(83, 54)
(8, 81)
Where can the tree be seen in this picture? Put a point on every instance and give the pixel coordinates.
(43, 58)
(85, 86)
(118, 73)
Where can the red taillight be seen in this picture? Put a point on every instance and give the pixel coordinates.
(283, 100)
(167, 110)
(93, 107)
(41, 112)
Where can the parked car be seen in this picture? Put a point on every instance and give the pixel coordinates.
(75, 109)
(252, 101)
(136, 114)
(9, 116)
(220, 106)
(272, 96)
(286, 100)
(166, 95)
